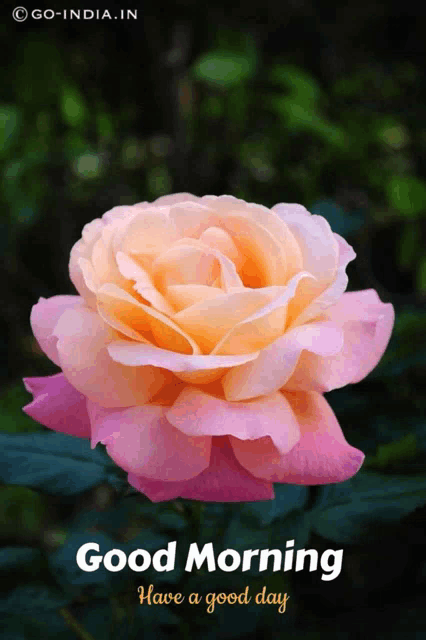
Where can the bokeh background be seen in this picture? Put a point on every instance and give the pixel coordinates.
(320, 103)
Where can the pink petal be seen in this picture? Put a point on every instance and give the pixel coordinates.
(124, 212)
(284, 209)
(317, 243)
(276, 362)
(225, 480)
(44, 317)
(141, 441)
(197, 413)
(367, 324)
(58, 405)
(176, 198)
(85, 361)
(321, 456)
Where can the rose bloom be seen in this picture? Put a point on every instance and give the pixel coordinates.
(205, 332)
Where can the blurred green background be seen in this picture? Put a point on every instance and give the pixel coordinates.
(321, 104)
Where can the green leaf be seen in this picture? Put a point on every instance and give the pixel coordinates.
(287, 499)
(298, 80)
(88, 165)
(57, 464)
(73, 107)
(297, 115)
(12, 418)
(393, 452)
(32, 599)
(12, 558)
(105, 126)
(22, 512)
(159, 181)
(296, 526)
(10, 119)
(409, 245)
(421, 276)
(407, 194)
(48, 625)
(240, 536)
(69, 575)
(392, 133)
(224, 68)
(368, 502)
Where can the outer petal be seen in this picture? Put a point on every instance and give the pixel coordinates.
(317, 243)
(83, 249)
(367, 324)
(320, 251)
(124, 212)
(335, 290)
(141, 440)
(321, 456)
(176, 198)
(197, 413)
(44, 317)
(225, 480)
(284, 209)
(58, 405)
(82, 347)
(275, 364)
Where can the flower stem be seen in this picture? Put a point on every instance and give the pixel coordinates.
(74, 625)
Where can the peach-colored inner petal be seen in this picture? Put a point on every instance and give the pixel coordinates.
(147, 233)
(143, 283)
(144, 320)
(185, 264)
(222, 241)
(192, 218)
(264, 257)
(265, 325)
(181, 296)
(209, 321)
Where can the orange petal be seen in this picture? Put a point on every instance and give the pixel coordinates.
(181, 296)
(143, 282)
(209, 321)
(143, 319)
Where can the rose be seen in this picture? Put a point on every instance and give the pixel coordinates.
(205, 333)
